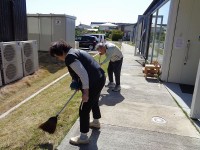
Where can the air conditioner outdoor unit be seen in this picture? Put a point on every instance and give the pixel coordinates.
(29, 56)
(11, 61)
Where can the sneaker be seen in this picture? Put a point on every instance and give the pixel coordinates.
(117, 88)
(110, 85)
(95, 125)
(78, 140)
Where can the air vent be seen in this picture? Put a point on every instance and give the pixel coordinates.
(9, 53)
(11, 59)
(29, 65)
(28, 50)
(11, 71)
(29, 56)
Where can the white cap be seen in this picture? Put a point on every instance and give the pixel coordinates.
(99, 45)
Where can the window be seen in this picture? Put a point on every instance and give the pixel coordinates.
(158, 33)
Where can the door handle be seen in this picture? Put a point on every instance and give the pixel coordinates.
(187, 52)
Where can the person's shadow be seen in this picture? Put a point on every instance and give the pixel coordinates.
(93, 141)
(48, 146)
(110, 99)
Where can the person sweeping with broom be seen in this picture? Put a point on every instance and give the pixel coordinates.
(115, 58)
(85, 71)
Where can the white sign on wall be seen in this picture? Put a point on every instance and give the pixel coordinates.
(179, 43)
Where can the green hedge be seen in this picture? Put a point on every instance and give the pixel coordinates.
(116, 35)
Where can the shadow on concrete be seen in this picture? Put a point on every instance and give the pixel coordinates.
(93, 141)
(189, 89)
(197, 123)
(47, 146)
(152, 80)
(141, 62)
(175, 88)
(184, 99)
(111, 99)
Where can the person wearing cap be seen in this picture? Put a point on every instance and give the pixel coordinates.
(91, 78)
(115, 58)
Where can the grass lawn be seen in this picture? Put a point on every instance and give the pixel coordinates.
(15, 92)
(19, 129)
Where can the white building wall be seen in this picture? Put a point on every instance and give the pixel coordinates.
(195, 106)
(34, 28)
(45, 32)
(46, 28)
(129, 28)
(58, 28)
(169, 39)
(70, 34)
(181, 60)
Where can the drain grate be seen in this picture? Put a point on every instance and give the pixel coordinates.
(159, 120)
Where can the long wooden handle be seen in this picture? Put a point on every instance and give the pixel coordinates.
(99, 58)
(66, 103)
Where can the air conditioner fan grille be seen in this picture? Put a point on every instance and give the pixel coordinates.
(28, 50)
(11, 71)
(9, 53)
(29, 65)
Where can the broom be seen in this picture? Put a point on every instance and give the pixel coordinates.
(99, 58)
(50, 125)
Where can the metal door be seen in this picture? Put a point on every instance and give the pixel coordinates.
(192, 49)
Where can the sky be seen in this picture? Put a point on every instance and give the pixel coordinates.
(87, 11)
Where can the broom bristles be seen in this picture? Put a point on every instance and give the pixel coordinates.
(50, 125)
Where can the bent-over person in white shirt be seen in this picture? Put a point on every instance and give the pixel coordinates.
(115, 58)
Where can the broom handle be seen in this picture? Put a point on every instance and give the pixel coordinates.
(66, 103)
(99, 59)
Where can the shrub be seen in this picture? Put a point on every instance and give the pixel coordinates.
(116, 35)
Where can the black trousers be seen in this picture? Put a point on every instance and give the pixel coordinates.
(92, 104)
(115, 67)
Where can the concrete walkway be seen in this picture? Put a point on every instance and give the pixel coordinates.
(143, 116)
